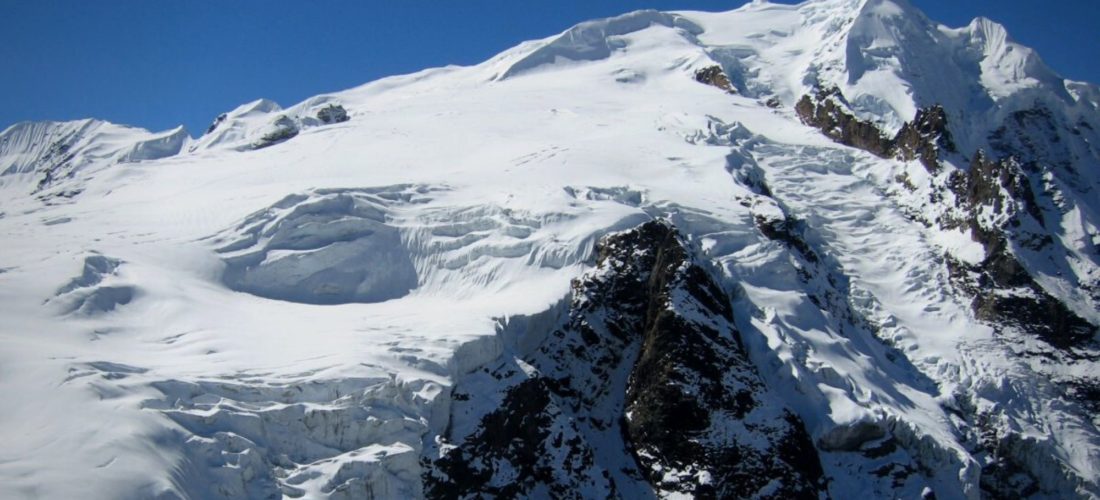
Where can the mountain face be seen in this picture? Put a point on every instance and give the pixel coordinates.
(648, 365)
(830, 250)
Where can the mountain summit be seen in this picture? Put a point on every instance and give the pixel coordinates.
(833, 249)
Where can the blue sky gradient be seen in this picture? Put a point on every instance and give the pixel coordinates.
(157, 64)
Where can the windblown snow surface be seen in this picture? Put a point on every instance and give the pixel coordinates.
(283, 306)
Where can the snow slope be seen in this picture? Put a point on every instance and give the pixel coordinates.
(284, 305)
(49, 151)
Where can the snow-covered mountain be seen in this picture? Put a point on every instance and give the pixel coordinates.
(826, 250)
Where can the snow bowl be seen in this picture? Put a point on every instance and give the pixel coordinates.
(328, 247)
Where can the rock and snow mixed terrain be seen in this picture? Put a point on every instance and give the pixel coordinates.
(825, 250)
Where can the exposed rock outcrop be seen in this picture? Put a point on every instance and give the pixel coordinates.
(281, 130)
(1001, 190)
(57, 159)
(925, 138)
(1004, 294)
(715, 77)
(217, 121)
(997, 195)
(995, 203)
(697, 413)
(645, 389)
(828, 111)
(333, 113)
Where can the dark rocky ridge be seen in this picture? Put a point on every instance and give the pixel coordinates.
(1004, 205)
(1003, 291)
(827, 111)
(527, 436)
(57, 162)
(217, 122)
(1022, 303)
(1028, 307)
(645, 387)
(923, 138)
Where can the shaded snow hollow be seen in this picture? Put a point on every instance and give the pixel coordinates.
(334, 249)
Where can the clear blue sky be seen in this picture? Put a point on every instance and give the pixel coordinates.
(157, 64)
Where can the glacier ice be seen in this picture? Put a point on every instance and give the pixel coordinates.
(333, 315)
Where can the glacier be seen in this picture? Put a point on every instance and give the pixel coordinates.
(787, 251)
